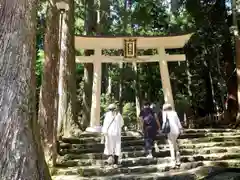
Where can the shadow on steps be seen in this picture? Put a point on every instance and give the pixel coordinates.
(224, 174)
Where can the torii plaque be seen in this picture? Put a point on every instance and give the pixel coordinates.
(130, 48)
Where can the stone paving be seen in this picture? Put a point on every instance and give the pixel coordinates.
(203, 151)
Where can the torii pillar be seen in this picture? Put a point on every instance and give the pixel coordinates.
(165, 78)
(96, 93)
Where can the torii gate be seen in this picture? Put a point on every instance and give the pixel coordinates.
(130, 46)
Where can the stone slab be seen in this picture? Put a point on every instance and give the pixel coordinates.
(192, 174)
(160, 153)
(105, 171)
(129, 162)
(93, 138)
(98, 148)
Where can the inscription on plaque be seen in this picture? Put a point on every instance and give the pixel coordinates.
(130, 48)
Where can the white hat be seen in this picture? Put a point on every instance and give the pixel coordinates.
(112, 106)
(166, 106)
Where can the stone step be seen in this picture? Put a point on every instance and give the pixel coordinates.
(225, 175)
(94, 139)
(161, 153)
(170, 175)
(183, 145)
(211, 139)
(99, 171)
(109, 171)
(98, 148)
(138, 133)
(163, 141)
(216, 130)
(124, 133)
(143, 161)
(211, 169)
(83, 148)
(192, 174)
(186, 141)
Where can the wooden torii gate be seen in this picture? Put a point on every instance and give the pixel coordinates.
(130, 46)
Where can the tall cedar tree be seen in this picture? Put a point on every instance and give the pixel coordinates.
(47, 115)
(20, 148)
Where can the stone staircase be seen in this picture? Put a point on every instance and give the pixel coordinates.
(203, 151)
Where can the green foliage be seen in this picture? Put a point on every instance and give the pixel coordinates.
(79, 69)
(129, 115)
(182, 103)
(105, 101)
(150, 17)
(79, 20)
(205, 52)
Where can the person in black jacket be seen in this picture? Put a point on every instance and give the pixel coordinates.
(150, 126)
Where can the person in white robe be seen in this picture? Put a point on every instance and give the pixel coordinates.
(175, 130)
(112, 129)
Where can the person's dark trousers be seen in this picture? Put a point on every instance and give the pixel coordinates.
(115, 159)
(148, 144)
(149, 137)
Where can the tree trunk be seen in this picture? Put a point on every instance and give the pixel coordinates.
(238, 77)
(105, 77)
(120, 92)
(109, 88)
(21, 152)
(62, 81)
(175, 5)
(189, 111)
(231, 77)
(232, 104)
(91, 23)
(67, 76)
(104, 30)
(121, 64)
(221, 82)
(47, 115)
(71, 121)
(237, 45)
(211, 102)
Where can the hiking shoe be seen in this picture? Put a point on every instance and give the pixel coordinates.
(149, 156)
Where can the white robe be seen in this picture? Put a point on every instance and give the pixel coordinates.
(112, 132)
(174, 122)
(175, 126)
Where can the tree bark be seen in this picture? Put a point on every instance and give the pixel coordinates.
(231, 78)
(175, 5)
(104, 30)
(47, 115)
(71, 122)
(62, 81)
(120, 92)
(238, 77)
(209, 99)
(237, 46)
(91, 27)
(67, 78)
(20, 148)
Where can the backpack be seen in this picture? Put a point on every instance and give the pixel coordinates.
(149, 118)
(166, 127)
